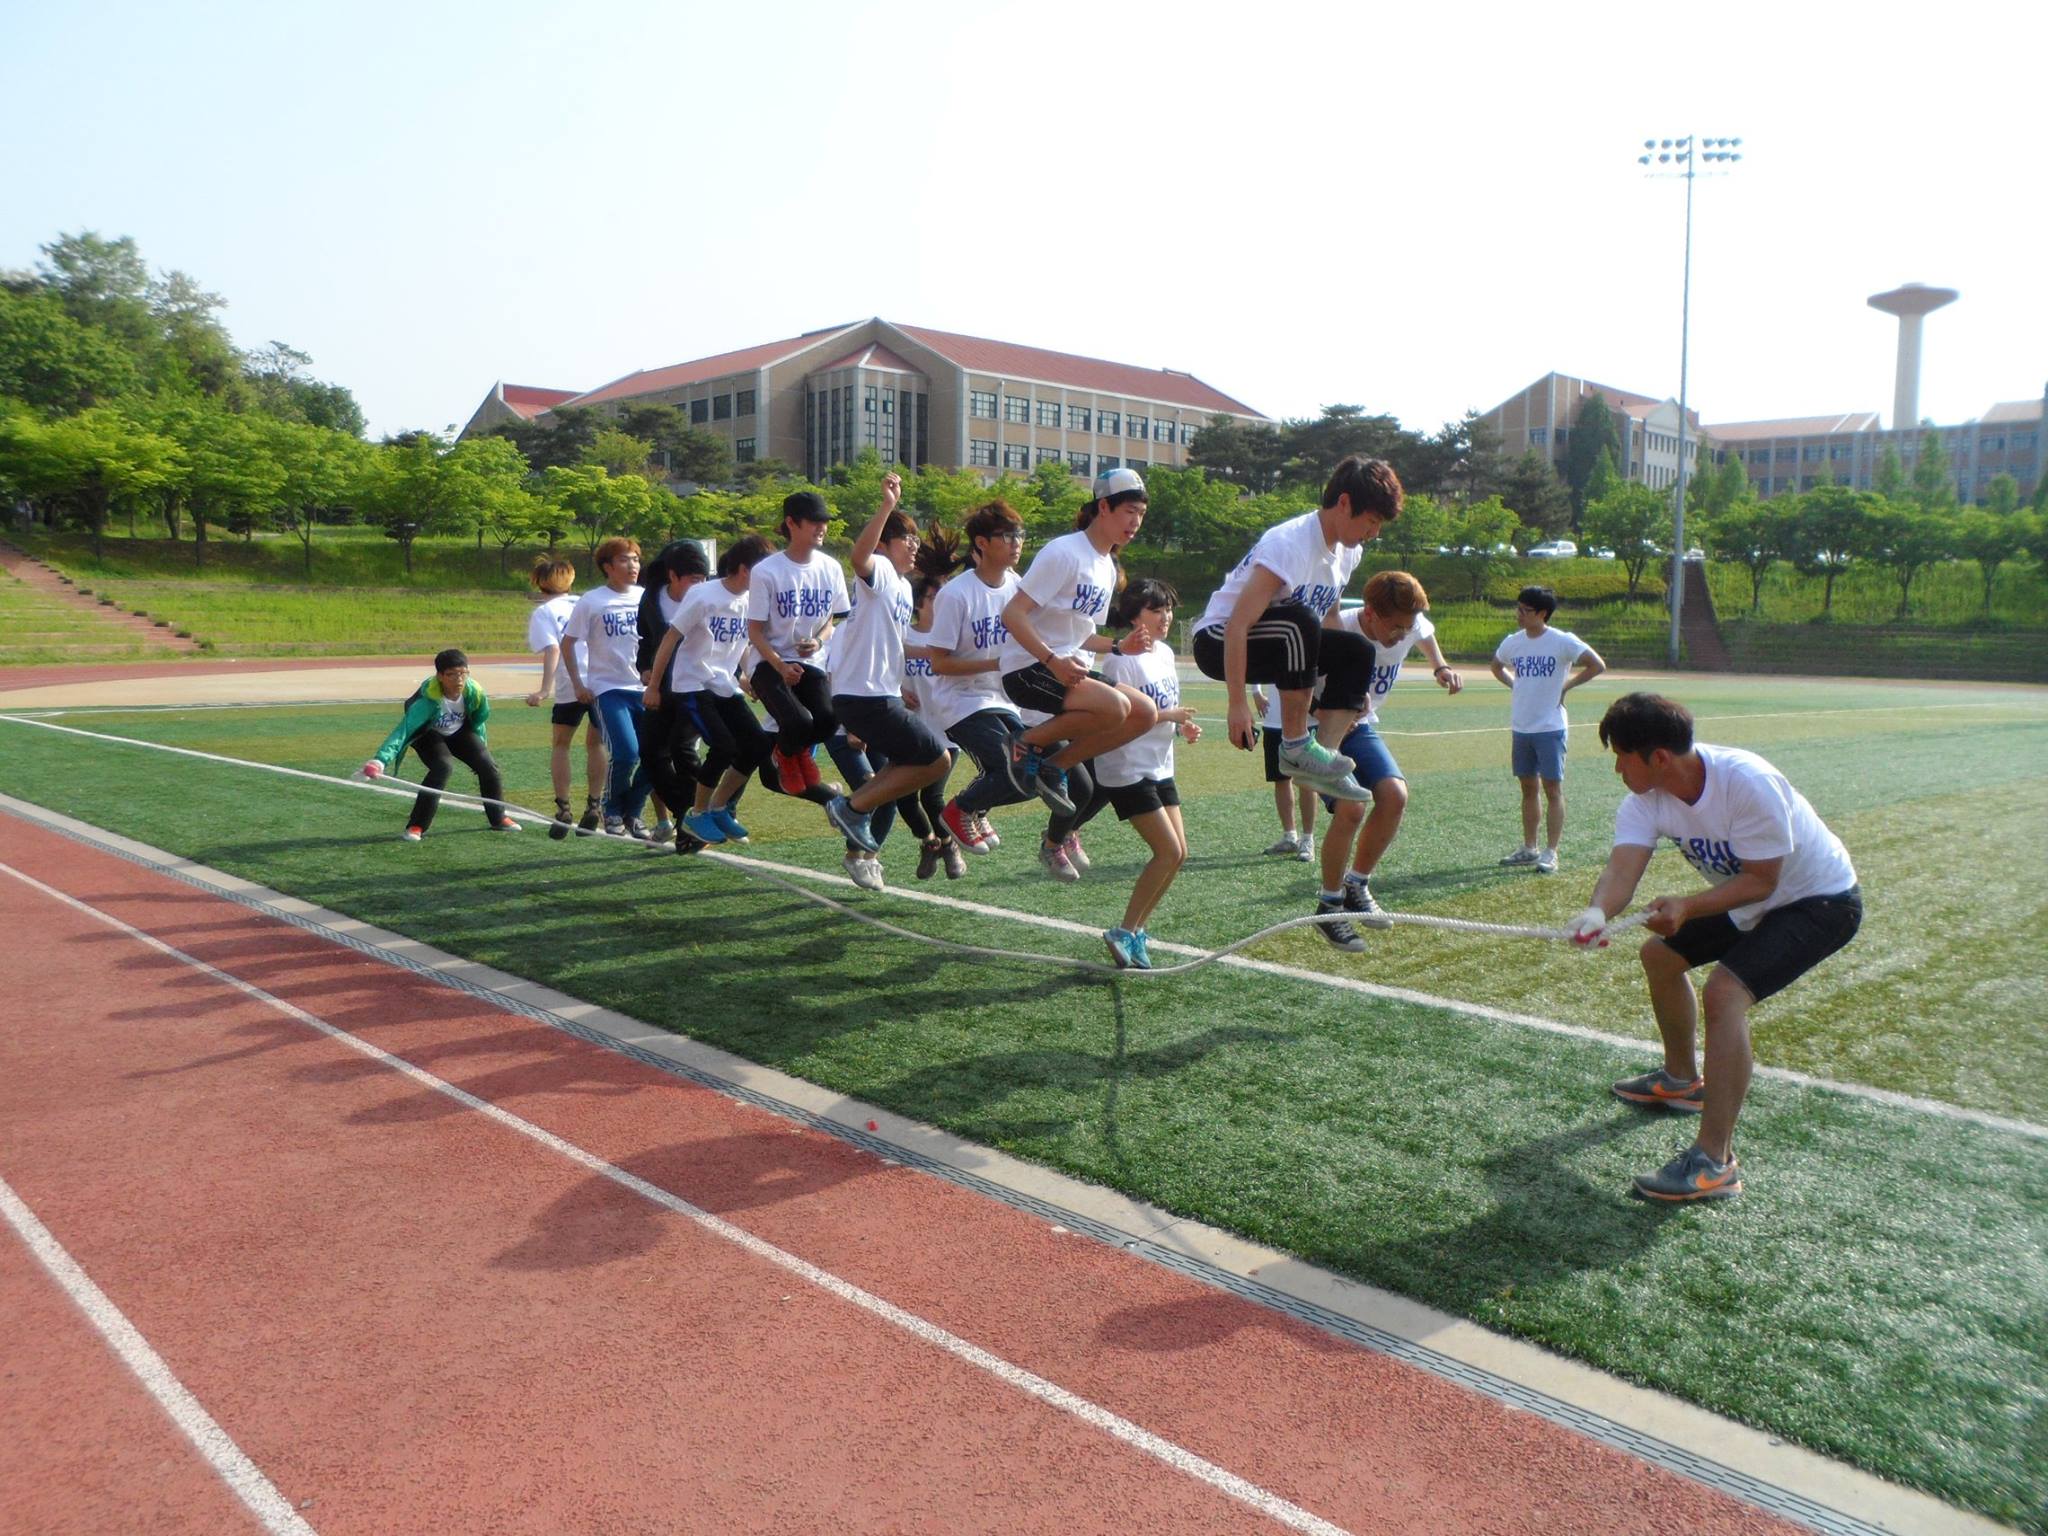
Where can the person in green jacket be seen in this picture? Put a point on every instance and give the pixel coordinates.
(444, 720)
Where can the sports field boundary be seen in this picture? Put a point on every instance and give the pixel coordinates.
(1757, 1468)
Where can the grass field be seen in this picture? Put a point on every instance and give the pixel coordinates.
(1880, 1294)
(36, 628)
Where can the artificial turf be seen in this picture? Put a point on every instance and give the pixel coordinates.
(1880, 1293)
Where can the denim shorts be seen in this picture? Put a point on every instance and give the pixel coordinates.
(1539, 755)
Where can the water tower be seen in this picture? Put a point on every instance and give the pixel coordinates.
(1910, 303)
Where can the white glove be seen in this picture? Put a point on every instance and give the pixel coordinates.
(373, 769)
(1589, 928)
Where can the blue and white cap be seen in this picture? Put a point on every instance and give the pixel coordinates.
(1114, 482)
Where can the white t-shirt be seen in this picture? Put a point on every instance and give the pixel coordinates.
(606, 628)
(454, 711)
(1071, 581)
(1386, 659)
(1271, 718)
(711, 632)
(867, 650)
(796, 601)
(967, 624)
(1310, 571)
(1747, 811)
(544, 629)
(918, 678)
(1542, 666)
(1155, 674)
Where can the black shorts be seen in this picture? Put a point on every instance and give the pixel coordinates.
(1785, 944)
(1269, 738)
(1130, 801)
(1036, 688)
(570, 714)
(887, 725)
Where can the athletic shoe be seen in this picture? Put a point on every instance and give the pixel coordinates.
(1341, 934)
(1660, 1089)
(1359, 903)
(563, 821)
(863, 871)
(987, 830)
(1546, 862)
(875, 873)
(1692, 1175)
(589, 820)
(1521, 858)
(507, 825)
(955, 865)
(1125, 949)
(613, 827)
(704, 826)
(1345, 788)
(1315, 762)
(928, 855)
(1056, 863)
(1288, 843)
(636, 829)
(412, 834)
(662, 831)
(729, 824)
(687, 842)
(1075, 855)
(1051, 784)
(1306, 853)
(807, 765)
(789, 777)
(1142, 939)
(961, 824)
(851, 824)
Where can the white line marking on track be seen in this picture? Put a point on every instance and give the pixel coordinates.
(226, 1458)
(1711, 720)
(1051, 1393)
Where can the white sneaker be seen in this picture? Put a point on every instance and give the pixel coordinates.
(987, 831)
(863, 871)
(1546, 862)
(1306, 853)
(1523, 858)
(1287, 843)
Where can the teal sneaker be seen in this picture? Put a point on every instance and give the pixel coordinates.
(1692, 1175)
(729, 824)
(704, 826)
(1126, 950)
(1143, 940)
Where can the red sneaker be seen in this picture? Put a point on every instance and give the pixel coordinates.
(962, 827)
(807, 765)
(789, 774)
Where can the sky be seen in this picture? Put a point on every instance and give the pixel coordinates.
(1416, 209)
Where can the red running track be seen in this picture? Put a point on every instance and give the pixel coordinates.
(411, 1317)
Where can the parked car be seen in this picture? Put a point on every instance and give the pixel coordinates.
(1600, 554)
(1695, 556)
(1554, 549)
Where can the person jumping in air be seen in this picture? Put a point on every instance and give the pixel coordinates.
(1542, 665)
(1053, 612)
(444, 721)
(794, 596)
(1270, 622)
(552, 579)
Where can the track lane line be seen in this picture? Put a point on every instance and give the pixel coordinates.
(1048, 1392)
(227, 1459)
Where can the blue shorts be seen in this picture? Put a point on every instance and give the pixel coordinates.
(1365, 747)
(1539, 755)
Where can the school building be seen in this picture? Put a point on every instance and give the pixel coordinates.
(917, 396)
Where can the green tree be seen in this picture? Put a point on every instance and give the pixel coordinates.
(1934, 488)
(1990, 539)
(1593, 434)
(1186, 510)
(1248, 455)
(103, 284)
(619, 454)
(685, 453)
(1752, 537)
(191, 337)
(1905, 541)
(87, 463)
(1825, 531)
(1890, 480)
(1604, 479)
(1482, 534)
(279, 381)
(1059, 492)
(1635, 522)
(1314, 445)
(1533, 492)
(54, 363)
(229, 473)
(1423, 525)
(319, 468)
(2002, 496)
(596, 503)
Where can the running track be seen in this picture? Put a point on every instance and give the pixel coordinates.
(410, 1315)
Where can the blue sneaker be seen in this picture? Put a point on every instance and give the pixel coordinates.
(704, 827)
(1142, 939)
(729, 824)
(1126, 950)
(1051, 784)
(851, 824)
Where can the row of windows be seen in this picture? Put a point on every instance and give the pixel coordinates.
(985, 453)
(982, 405)
(722, 407)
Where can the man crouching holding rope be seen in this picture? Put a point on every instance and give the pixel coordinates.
(1782, 897)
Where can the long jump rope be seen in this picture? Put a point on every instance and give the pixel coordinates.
(385, 784)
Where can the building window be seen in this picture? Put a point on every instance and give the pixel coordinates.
(1016, 456)
(743, 451)
(743, 403)
(869, 397)
(1138, 427)
(981, 405)
(981, 453)
(1048, 456)
(1106, 463)
(1187, 434)
(721, 407)
(1078, 463)
(1017, 408)
(1109, 423)
(1049, 413)
(888, 402)
(1539, 437)
(1162, 430)
(1811, 454)
(1078, 418)
(1564, 435)
(700, 412)
(1138, 464)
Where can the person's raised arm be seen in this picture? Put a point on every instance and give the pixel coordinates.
(1260, 588)
(871, 534)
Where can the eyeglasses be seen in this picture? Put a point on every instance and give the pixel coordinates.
(1013, 535)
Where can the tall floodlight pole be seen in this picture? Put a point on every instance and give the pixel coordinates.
(1679, 153)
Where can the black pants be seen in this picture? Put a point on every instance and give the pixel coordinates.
(668, 748)
(1089, 800)
(986, 736)
(733, 738)
(803, 712)
(1288, 647)
(439, 753)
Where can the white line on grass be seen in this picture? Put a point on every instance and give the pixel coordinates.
(1706, 720)
(1051, 1393)
(212, 1442)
